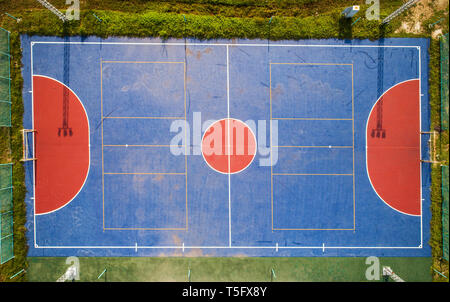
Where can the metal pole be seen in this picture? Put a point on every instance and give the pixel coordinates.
(11, 16)
(400, 10)
(16, 274)
(98, 19)
(53, 10)
(102, 273)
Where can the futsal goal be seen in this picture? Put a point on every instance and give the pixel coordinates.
(28, 136)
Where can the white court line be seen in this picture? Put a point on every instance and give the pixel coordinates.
(231, 247)
(227, 44)
(229, 148)
(420, 148)
(34, 154)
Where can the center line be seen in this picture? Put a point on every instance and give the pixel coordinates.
(229, 149)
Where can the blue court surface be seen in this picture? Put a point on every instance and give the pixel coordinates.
(307, 190)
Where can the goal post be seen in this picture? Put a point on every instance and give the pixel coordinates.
(27, 151)
(432, 147)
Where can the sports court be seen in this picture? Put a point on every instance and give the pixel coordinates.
(329, 133)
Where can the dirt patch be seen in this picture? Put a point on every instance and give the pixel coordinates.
(176, 240)
(240, 256)
(420, 12)
(195, 253)
(158, 178)
(441, 4)
(278, 90)
(198, 54)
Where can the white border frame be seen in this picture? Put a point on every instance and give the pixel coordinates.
(229, 246)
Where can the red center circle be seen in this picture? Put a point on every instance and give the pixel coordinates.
(227, 155)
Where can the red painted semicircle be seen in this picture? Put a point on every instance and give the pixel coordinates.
(62, 162)
(393, 147)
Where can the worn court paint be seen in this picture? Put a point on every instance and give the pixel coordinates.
(315, 201)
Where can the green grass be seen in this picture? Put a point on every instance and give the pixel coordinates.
(5, 155)
(12, 152)
(207, 19)
(442, 155)
(167, 25)
(316, 19)
(348, 269)
(224, 8)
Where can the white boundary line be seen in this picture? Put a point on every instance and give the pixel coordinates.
(230, 247)
(34, 154)
(227, 45)
(420, 147)
(229, 147)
